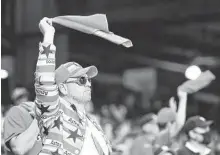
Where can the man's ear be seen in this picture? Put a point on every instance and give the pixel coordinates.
(63, 89)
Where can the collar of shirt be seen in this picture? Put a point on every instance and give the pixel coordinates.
(201, 150)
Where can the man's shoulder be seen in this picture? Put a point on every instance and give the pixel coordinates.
(163, 138)
(16, 112)
(37, 147)
(140, 145)
(140, 139)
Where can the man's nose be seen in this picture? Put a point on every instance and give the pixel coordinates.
(88, 83)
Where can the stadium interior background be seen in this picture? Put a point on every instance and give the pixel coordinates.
(168, 36)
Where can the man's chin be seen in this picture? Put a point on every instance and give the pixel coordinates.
(87, 95)
(82, 100)
(86, 98)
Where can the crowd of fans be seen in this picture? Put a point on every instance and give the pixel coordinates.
(129, 135)
(132, 136)
(63, 120)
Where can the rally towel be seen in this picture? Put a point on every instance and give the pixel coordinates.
(96, 24)
(192, 86)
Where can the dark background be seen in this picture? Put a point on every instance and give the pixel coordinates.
(168, 36)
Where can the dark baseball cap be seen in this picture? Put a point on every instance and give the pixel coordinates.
(196, 121)
(146, 119)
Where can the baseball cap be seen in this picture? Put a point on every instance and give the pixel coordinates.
(146, 119)
(166, 115)
(196, 121)
(73, 69)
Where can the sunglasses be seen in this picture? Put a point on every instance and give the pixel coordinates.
(164, 125)
(80, 81)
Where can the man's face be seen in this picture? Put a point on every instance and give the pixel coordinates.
(202, 130)
(165, 126)
(202, 135)
(79, 88)
(151, 128)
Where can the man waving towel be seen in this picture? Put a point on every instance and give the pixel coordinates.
(61, 96)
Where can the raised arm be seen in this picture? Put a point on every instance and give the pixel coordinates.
(181, 114)
(45, 86)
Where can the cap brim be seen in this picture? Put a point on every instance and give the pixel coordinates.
(207, 123)
(148, 118)
(91, 71)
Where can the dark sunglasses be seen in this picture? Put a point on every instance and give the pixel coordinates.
(162, 125)
(80, 81)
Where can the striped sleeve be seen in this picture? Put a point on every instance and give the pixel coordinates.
(45, 87)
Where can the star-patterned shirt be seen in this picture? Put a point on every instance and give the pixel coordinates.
(62, 127)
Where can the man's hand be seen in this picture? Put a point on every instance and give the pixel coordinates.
(45, 26)
(30, 107)
(173, 104)
(47, 30)
(181, 94)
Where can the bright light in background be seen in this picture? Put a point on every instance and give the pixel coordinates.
(4, 74)
(193, 72)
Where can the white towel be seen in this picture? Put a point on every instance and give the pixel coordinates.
(95, 24)
(192, 86)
